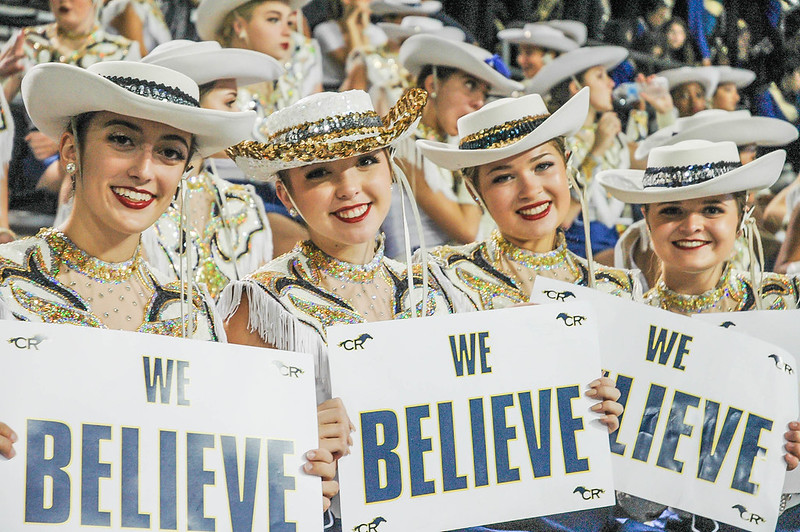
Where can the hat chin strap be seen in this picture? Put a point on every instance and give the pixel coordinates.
(582, 191)
(751, 233)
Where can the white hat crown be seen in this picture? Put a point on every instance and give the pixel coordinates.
(151, 81)
(501, 112)
(421, 24)
(323, 113)
(180, 47)
(689, 162)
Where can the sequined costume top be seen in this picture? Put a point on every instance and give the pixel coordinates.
(303, 75)
(229, 231)
(293, 299)
(99, 46)
(47, 279)
(387, 79)
(734, 292)
(496, 274)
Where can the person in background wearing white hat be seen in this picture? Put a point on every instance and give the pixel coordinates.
(691, 88)
(537, 44)
(265, 26)
(694, 195)
(350, 30)
(634, 249)
(600, 143)
(378, 70)
(75, 38)
(230, 232)
(138, 20)
(458, 78)
(127, 133)
(726, 96)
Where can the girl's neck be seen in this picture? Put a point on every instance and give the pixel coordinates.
(430, 119)
(591, 116)
(535, 245)
(97, 239)
(361, 253)
(693, 283)
(74, 37)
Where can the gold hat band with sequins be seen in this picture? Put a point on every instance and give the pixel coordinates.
(326, 127)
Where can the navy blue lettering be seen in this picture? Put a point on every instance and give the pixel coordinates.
(484, 349)
(131, 518)
(659, 346)
(183, 382)
(451, 481)
(241, 505)
(168, 480)
(38, 467)
(417, 447)
(538, 441)
(374, 454)
(279, 484)
(675, 429)
(747, 455)
(624, 386)
(569, 426)
(197, 477)
(462, 354)
(502, 434)
(92, 470)
(711, 455)
(647, 427)
(476, 417)
(159, 382)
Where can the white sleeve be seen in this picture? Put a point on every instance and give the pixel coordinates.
(329, 36)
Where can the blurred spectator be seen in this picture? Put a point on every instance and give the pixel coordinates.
(141, 21)
(691, 88)
(537, 44)
(675, 43)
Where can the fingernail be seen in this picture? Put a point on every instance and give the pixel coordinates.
(597, 408)
(12, 453)
(594, 383)
(310, 455)
(14, 437)
(591, 393)
(307, 467)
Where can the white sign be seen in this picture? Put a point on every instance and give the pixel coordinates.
(470, 419)
(125, 430)
(776, 327)
(705, 410)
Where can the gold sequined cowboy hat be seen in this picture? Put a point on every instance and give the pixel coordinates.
(404, 7)
(717, 125)
(692, 169)
(413, 25)
(573, 63)
(507, 127)
(707, 77)
(421, 50)
(211, 14)
(208, 61)
(324, 127)
(539, 34)
(54, 93)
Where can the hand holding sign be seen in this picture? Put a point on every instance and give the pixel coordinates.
(604, 390)
(7, 438)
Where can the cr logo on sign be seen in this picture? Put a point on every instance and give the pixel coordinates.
(20, 342)
(589, 494)
(369, 527)
(358, 343)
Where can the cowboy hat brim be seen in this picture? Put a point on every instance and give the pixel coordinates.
(708, 78)
(398, 31)
(573, 63)
(49, 92)
(560, 43)
(626, 185)
(245, 66)
(741, 77)
(211, 14)
(421, 50)
(567, 120)
(390, 8)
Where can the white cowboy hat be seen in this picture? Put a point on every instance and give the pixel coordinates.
(692, 169)
(404, 7)
(412, 25)
(507, 127)
(571, 28)
(573, 63)
(420, 50)
(716, 125)
(324, 127)
(207, 61)
(541, 35)
(54, 93)
(707, 77)
(741, 77)
(211, 14)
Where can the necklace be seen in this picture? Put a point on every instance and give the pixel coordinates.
(556, 258)
(74, 35)
(65, 252)
(340, 270)
(430, 133)
(695, 304)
